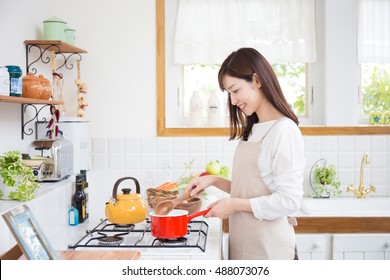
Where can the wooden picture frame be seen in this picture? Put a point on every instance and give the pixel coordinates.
(28, 234)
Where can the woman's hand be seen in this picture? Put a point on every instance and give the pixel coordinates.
(198, 184)
(222, 208)
(225, 207)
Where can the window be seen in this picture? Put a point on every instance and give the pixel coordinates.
(207, 31)
(375, 83)
(374, 55)
(203, 79)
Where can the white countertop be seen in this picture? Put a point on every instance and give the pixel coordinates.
(45, 190)
(370, 206)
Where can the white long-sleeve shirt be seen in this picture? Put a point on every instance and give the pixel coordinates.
(281, 163)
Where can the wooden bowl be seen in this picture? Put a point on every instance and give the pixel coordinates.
(192, 205)
(155, 196)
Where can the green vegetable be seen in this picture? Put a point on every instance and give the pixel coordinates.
(19, 177)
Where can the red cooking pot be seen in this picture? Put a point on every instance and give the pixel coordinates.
(173, 225)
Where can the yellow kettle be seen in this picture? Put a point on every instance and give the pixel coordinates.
(126, 208)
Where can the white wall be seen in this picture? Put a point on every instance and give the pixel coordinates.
(119, 68)
(119, 36)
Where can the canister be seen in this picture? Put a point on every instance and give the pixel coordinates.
(54, 29)
(70, 35)
(386, 118)
(15, 86)
(375, 118)
(4, 81)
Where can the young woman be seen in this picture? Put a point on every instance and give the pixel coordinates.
(267, 173)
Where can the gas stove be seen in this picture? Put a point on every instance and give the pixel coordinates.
(109, 235)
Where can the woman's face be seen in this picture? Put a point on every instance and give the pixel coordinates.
(245, 95)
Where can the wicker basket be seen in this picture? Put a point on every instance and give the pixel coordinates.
(154, 195)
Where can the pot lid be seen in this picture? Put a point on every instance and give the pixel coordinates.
(55, 19)
(127, 195)
(30, 76)
(41, 77)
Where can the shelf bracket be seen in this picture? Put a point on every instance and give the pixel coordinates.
(44, 55)
(36, 111)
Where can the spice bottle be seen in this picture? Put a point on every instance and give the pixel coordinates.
(196, 110)
(79, 198)
(73, 216)
(86, 192)
(214, 117)
(4, 81)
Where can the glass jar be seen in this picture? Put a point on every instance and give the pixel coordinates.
(15, 74)
(4, 81)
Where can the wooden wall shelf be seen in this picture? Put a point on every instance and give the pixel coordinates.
(343, 225)
(55, 45)
(306, 130)
(336, 225)
(23, 100)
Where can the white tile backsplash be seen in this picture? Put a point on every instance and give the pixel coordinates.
(157, 159)
(362, 143)
(345, 143)
(99, 145)
(115, 145)
(328, 144)
(132, 145)
(148, 145)
(378, 143)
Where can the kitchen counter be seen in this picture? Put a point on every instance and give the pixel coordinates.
(51, 205)
(45, 191)
(344, 215)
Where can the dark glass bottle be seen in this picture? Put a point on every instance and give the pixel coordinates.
(86, 192)
(79, 198)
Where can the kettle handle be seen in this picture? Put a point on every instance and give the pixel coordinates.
(117, 183)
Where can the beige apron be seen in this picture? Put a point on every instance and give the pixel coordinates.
(250, 238)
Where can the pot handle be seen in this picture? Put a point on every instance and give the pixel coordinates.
(117, 183)
(197, 214)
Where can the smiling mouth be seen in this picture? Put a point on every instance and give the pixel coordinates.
(242, 106)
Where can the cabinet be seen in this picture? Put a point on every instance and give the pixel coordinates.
(361, 247)
(313, 246)
(44, 48)
(343, 246)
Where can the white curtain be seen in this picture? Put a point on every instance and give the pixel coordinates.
(209, 30)
(374, 31)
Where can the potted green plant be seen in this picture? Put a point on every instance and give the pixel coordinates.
(325, 180)
(16, 179)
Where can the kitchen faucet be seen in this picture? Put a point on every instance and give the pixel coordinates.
(361, 192)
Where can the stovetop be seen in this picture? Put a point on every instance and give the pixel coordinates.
(109, 235)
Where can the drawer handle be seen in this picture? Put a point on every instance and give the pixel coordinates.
(317, 245)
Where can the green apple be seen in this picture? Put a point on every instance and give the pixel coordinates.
(213, 167)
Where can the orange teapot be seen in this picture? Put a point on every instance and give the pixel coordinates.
(126, 208)
(46, 88)
(31, 86)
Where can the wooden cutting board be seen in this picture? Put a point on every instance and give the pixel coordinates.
(98, 255)
(81, 255)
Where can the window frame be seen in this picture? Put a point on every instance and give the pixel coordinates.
(315, 93)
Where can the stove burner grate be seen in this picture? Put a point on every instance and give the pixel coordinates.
(182, 241)
(110, 240)
(123, 226)
(139, 236)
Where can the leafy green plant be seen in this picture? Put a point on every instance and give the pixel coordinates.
(325, 180)
(17, 176)
(376, 89)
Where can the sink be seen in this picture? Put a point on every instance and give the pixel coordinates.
(345, 206)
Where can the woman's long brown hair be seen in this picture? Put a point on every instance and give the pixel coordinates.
(242, 64)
